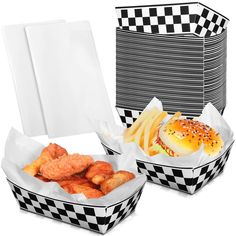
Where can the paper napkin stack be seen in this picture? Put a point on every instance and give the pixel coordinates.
(57, 77)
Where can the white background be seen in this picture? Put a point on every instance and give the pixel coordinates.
(161, 211)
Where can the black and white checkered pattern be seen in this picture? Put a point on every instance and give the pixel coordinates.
(127, 116)
(95, 218)
(157, 19)
(110, 151)
(188, 180)
(172, 19)
(208, 22)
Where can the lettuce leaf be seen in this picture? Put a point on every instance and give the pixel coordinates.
(159, 149)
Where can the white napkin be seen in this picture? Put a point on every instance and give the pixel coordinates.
(21, 150)
(69, 78)
(24, 79)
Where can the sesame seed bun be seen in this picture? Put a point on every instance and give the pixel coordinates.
(184, 137)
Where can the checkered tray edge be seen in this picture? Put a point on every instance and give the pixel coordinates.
(95, 218)
(180, 18)
(129, 116)
(188, 180)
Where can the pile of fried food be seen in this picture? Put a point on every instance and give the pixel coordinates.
(177, 137)
(76, 173)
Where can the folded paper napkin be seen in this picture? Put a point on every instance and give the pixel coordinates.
(23, 74)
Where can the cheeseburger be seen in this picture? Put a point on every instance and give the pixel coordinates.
(181, 137)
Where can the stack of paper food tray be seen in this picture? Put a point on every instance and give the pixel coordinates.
(176, 52)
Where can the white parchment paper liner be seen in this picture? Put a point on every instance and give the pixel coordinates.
(112, 136)
(21, 150)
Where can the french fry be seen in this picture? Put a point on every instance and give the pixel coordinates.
(131, 130)
(128, 138)
(140, 131)
(130, 133)
(175, 116)
(138, 135)
(146, 128)
(141, 142)
(152, 151)
(147, 133)
(140, 119)
(151, 129)
(155, 125)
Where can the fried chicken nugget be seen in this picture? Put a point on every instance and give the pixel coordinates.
(72, 179)
(91, 185)
(99, 171)
(117, 179)
(65, 166)
(51, 152)
(98, 179)
(76, 179)
(87, 191)
(42, 178)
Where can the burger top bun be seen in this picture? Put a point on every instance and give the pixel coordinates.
(184, 137)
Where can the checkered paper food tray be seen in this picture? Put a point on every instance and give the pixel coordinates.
(188, 180)
(179, 18)
(50, 200)
(96, 218)
(188, 173)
